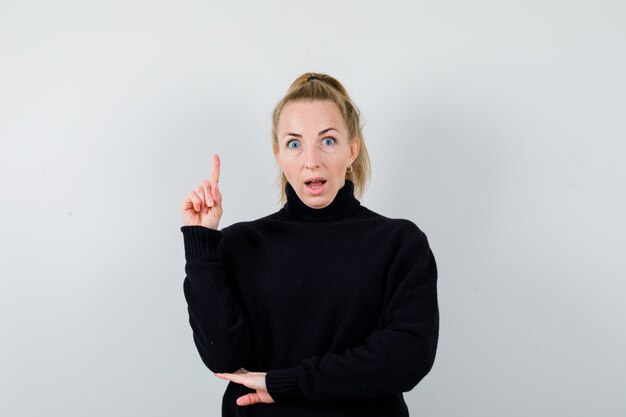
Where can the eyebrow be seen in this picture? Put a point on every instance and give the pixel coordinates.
(321, 133)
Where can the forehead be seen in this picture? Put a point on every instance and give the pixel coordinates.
(305, 115)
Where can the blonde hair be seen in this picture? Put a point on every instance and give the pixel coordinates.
(325, 87)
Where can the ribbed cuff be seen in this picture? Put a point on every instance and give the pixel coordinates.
(200, 241)
(284, 384)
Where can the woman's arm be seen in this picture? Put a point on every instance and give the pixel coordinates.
(220, 330)
(391, 360)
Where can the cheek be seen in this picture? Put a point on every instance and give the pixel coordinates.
(288, 166)
(339, 163)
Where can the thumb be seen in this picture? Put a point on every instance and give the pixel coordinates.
(249, 399)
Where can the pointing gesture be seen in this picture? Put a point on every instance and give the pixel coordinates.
(203, 206)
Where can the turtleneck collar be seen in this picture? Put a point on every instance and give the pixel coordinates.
(344, 204)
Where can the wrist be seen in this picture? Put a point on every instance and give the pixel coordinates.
(284, 384)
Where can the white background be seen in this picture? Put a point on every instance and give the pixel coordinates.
(498, 127)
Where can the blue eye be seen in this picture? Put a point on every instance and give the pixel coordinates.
(330, 137)
(290, 142)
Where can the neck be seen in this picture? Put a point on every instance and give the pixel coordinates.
(343, 205)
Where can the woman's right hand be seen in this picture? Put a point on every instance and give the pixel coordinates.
(203, 206)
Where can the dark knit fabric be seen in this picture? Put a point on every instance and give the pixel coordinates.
(338, 305)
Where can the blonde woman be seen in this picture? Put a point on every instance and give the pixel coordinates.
(323, 308)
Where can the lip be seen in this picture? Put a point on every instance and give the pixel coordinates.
(314, 178)
(315, 191)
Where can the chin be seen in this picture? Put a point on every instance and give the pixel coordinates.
(320, 205)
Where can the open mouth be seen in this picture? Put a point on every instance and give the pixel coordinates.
(315, 184)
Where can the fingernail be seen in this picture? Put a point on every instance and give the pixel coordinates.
(210, 201)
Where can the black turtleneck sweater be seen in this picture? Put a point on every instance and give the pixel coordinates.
(338, 305)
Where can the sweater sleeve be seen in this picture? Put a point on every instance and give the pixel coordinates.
(219, 327)
(391, 360)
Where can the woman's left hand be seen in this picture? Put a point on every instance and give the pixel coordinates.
(254, 380)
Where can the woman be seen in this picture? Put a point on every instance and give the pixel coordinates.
(332, 305)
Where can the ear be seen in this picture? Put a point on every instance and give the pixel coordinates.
(355, 145)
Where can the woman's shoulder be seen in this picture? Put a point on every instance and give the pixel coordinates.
(245, 226)
(403, 226)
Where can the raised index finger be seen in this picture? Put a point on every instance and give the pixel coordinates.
(215, 170)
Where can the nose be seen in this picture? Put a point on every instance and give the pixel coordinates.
(311, 157)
